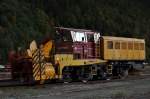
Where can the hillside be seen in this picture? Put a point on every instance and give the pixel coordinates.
(24, 20)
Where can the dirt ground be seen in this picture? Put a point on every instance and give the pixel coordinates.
(134, 87)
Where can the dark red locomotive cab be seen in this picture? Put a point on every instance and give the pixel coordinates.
(83, 44)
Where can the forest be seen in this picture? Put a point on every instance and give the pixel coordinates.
(22, 21)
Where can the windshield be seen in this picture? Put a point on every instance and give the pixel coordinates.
(63, 36)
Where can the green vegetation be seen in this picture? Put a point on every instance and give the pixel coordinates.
(24, 20)
(19, 25)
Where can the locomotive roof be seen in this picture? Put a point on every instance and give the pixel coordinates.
(123, 38)
(73, 29)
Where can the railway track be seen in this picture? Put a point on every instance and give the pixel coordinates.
(99, 89)
(136, 76)
(10, 83)
(130, 78)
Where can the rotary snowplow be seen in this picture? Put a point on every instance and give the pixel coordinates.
(77, 54)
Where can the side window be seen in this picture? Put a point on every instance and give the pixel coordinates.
(117, 45)
(80, 37)
(109, 44)
(130, 45)
(90, 37)
(136, 46)
(123, 45)
(141, 46)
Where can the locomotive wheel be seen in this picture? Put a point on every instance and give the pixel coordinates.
(67, 78)
(101, 75)
(86, 77)
(123, 74)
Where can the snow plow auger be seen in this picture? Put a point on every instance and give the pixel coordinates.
(42, 69)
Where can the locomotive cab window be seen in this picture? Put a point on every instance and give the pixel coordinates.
(63, 36)
(90, 37)
(80, 37)
(66, 36)
(109, 44)
(117, 45)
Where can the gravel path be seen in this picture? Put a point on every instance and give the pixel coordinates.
(119, 89)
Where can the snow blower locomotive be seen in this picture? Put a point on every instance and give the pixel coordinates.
(78, 54)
